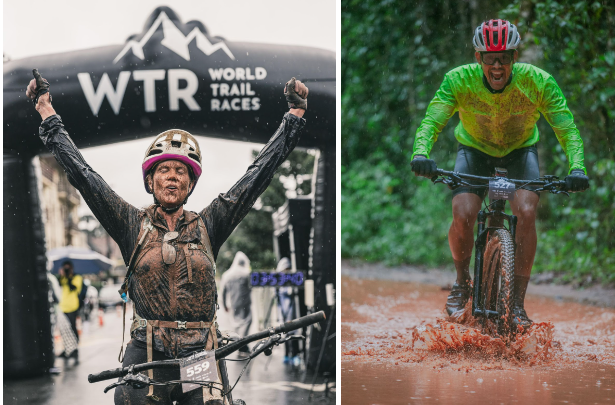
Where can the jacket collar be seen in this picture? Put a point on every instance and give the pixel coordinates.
(187, 233)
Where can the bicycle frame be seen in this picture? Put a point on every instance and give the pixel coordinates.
(491, 218)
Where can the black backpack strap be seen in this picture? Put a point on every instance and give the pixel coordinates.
(205, 242)
(146, 226)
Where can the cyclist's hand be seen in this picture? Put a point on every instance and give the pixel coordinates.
(577, 181)
(296, 94)
(38, 92)
(422, 166)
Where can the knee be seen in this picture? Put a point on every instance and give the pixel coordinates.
(526, 214)
(464, 217)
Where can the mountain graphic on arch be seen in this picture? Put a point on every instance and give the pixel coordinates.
(175, 40)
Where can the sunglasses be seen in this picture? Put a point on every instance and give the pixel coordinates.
(169, 253)
(489, 58)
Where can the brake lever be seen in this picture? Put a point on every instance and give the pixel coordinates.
(551, 188)
(561, 192)
(136, 381)
(114, 385)
(290, 337)
(450, 183)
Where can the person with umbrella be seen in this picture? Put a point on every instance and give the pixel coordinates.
(170, 252)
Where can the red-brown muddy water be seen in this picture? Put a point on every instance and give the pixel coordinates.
(379, 365)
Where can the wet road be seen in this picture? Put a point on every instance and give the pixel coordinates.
(380, 367)
(267, 380)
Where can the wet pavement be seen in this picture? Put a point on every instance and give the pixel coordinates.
(379, 365)
(267, 380)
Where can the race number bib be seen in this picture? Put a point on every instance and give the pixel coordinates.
(200, 366)
(501, 189)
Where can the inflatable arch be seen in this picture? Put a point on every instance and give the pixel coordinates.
(172, 75)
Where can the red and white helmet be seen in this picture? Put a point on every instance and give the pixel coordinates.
(173, 144)
(496, 36)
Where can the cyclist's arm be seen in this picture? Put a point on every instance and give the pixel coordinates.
(556, 112)
(226, 212)
(119, 218)
(439, 111)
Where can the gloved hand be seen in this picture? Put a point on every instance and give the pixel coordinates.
(296, 94)
(421, 166)
(577, 181)
(37, 87)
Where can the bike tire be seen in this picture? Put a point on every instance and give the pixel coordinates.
(498, 278)
(225, 383)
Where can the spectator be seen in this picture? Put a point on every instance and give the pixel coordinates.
(71, 284)
(236, 295)
(286, 305)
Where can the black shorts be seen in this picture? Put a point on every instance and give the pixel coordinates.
(522, 164)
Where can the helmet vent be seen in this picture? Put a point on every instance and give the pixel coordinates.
(176, 144)
(154, 152)
(195, 157)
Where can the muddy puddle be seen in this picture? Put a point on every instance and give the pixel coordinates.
(380, 366)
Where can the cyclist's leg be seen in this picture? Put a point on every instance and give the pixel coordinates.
(461, 232)
(523, 164)
(136, 353)
(466, 204)
(524, 206)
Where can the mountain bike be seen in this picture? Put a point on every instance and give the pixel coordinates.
(495, 246)
(198, 363)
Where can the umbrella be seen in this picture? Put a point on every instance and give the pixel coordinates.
(85, 261)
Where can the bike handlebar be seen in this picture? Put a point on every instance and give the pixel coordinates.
(220, 353)
(550, 181)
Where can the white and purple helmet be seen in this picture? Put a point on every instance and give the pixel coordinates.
(173, 144)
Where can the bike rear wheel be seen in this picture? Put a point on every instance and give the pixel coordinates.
(498, 278)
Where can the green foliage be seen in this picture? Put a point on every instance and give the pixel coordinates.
(394, 56)
(379, 225)
(254, 235)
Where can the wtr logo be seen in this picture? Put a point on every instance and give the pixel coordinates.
(175, 40)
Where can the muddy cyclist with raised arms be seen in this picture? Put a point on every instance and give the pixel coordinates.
(499, 102)
(170, 253)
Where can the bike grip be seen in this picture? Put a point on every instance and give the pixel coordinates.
(301, 322)
(107, 375)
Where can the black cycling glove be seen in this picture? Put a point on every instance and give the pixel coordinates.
(294, 99)
(42, 86)
(421, 166)
(577, 181)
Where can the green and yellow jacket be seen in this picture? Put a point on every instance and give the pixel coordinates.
(498, 123)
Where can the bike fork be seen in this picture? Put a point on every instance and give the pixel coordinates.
(478, 261)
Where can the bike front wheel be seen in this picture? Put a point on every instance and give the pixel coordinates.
(498, 278)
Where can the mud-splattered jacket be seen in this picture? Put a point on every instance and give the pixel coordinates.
(159, 291)
(498, 123)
